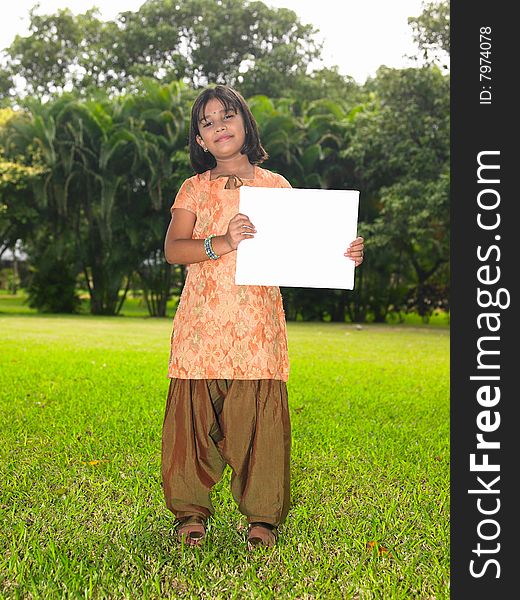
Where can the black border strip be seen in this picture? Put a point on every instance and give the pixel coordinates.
(489, 131)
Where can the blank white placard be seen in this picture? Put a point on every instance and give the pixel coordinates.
(301, 237)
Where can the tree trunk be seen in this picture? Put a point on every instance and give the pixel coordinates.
(339, 308)
(156, 281)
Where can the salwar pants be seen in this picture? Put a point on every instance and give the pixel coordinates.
(211, 423)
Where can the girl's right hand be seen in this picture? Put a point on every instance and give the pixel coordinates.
(239, 228)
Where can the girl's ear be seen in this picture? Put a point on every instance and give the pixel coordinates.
(201, 143)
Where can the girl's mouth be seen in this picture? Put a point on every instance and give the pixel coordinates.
(223, 138)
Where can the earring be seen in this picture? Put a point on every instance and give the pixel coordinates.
(205, 149)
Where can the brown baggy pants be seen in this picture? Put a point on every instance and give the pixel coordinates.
(209, 423)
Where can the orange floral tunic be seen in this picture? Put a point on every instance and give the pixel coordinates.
(222, 330)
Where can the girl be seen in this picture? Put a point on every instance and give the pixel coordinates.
(228, 368)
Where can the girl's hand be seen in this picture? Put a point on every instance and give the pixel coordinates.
(239, 228)
(355, 251)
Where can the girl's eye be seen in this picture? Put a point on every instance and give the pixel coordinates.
(229, 115)
(206, 124)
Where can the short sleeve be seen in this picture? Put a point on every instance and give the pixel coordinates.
(283, 182)
(186, 197)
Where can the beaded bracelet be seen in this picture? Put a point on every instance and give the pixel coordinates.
(209, 248)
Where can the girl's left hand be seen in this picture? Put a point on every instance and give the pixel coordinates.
(355, 251)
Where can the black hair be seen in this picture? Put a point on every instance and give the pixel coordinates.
(231, 100)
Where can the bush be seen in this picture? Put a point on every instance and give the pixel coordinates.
(53, 289)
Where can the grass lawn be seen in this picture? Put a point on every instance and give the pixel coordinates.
(82, 513)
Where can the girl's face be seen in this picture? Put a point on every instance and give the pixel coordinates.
(222, 131)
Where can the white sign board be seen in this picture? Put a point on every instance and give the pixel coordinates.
(301, 237)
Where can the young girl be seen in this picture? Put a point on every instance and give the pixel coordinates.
(228, 368)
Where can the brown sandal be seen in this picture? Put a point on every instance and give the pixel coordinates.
(261, 534)
(191, 530)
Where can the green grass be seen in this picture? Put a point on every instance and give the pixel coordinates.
(16, 304)
(370, 463)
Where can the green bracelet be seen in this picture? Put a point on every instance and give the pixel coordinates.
(209, 248)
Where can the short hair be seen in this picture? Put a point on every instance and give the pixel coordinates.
(231, 100)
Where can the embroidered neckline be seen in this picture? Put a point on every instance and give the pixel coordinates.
(233, 182)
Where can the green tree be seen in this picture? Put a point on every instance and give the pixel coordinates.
(59, 54)
(431, 31)
(324, 83)
(107, 164)
(400, 148)
(160, 109)
(246, 44)
(42, 209)
(112, 166)
(125, 146)
(17, 211)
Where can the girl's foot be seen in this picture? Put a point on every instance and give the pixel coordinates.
(261, 534)
(191, 530)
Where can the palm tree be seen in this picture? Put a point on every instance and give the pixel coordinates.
(32, 133)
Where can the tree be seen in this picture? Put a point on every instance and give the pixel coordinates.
(53, 57)
(161, 109)
(112, 165)
(16, 181)
(431, 31)
(400, 148)
(50, 238)
(107, 163)
(125, 147)
(324, 83)
(238, 42)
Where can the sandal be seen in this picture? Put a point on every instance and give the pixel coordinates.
(191, 530)
(261, 534)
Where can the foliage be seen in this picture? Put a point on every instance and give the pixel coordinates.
(108, 167)
(431, 30)
(17, 211)
(98, 168)
(400, 149)
(165, 40)
(111, 168)
(52, 287)
(52, 58)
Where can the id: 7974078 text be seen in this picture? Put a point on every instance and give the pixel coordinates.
(485, 65)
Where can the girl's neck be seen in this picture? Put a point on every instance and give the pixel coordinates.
(236, 166)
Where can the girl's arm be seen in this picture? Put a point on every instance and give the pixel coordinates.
(180, 249)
